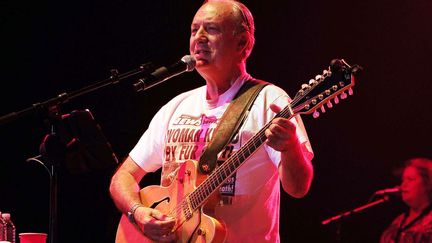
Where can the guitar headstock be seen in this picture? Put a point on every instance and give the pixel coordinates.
(333, 84)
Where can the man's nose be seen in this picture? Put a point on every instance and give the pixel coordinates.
(201, 35)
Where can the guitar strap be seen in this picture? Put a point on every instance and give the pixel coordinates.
(230, 122)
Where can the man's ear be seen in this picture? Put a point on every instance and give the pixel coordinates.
(242, 42)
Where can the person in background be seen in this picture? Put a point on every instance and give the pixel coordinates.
(415, 225)
(221, 40)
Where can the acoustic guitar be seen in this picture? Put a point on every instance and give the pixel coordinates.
(192, 196)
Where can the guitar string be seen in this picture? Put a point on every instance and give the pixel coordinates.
(206, 188)
(200, 193)
(202, 189)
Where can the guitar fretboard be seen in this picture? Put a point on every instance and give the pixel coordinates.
(227, 169)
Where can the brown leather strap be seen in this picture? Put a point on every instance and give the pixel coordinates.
(230, 122)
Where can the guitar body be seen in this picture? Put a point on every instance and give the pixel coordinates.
(194, 227)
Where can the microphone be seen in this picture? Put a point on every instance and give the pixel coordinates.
(389, 191)
(186, 64)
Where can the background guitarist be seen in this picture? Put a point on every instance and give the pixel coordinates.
(221, 40)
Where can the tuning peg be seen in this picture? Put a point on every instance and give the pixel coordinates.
(326, 73)
(323, 109)
(305, 86)
(350, 91)
(329, 104)
(316, 114)
(319, 77)
(343, 95)
(336, 100)
(312, 81)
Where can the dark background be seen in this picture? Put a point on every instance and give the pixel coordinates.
(51, 47)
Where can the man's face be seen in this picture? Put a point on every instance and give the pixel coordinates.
(213, 42)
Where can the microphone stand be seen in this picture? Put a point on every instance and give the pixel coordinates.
(351, 212)
(52, 106)
(65, 97)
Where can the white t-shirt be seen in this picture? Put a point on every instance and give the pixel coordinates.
(184, 126)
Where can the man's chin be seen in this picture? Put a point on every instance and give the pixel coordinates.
(201, 63)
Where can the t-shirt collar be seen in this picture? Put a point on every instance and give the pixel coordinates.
(228, 95)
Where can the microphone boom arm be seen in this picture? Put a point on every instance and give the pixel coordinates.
(186, 64)
(356, 210)
(65, 97)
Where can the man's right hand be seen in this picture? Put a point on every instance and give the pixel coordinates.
(155, 225)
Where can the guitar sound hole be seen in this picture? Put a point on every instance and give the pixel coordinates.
(155, 204)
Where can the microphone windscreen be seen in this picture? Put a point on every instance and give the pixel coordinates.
(190, 62)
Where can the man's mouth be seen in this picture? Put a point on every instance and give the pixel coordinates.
(201, 51)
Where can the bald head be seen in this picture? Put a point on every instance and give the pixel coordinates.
(243, 19)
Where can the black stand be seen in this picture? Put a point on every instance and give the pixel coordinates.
(62, 98)
(53, 205)
(346, 214)
(53, 182)
(52, 237)
(75, 142)
(52, 149)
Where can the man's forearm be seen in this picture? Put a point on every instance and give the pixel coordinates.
(124, 191)
(296, 171)
(124, 187)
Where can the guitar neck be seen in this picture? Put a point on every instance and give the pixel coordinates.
(231, 165)
(320, 91)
